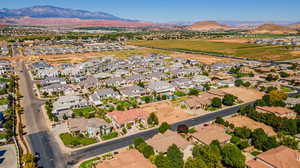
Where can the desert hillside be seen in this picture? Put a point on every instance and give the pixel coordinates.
(274, 29)
(207, 25)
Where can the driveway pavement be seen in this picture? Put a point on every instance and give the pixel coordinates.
(8, 156)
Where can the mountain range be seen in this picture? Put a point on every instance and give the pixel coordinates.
(56, 12)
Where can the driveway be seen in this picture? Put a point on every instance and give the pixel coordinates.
(8, 156)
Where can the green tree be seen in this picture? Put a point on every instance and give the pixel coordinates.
(242, 132)
(162, 161)
(238, 82)
(228, 100)
(194, 92)
(164, 127)
(195, 163)
(297, 108)
(175, 156)
(209, 156)
(290, 142)
(138, 141)
(147, 151)
(152, 119)
(233, 157)
(216, 102)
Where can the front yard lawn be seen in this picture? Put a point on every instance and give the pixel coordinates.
(109, 136)
(3, 135)
(74, 141)
(89, 163)
(3, 101)
(82, 112)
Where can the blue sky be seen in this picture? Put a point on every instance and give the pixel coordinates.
(179, 10)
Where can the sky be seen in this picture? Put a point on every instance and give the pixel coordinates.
(179, 10)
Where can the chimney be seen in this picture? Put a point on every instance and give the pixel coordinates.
(298, 158)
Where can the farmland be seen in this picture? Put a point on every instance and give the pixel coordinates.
(244, 50)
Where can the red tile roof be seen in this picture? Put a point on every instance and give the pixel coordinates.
(122, 117)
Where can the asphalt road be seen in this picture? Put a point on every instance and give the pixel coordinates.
(39, 138)
(95, 150)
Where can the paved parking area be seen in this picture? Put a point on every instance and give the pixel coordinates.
(8, 156)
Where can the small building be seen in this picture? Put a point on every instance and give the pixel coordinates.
(93, 126)
(161, 87)
(280, 157)
(278, 111)
(207, 134)
(161, 142)
(68, 102)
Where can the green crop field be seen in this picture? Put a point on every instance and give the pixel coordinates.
(255, 51)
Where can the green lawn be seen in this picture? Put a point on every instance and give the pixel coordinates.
(89, 163)
(286, 90)
(73, 141)
(3, 135)
(109, 136)
(261, 52)
(4, 101)
(83, 111)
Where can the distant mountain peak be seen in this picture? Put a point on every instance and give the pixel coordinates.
(48, 11)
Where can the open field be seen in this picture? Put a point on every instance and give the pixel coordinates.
(241, 121)
(78, 58)
(242, 41)
(254, 51)
(244, 94)
(202, 58)
(166, 111)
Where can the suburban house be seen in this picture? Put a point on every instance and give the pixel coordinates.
(96, 97)
(291, 102)
(70, 71)
(93, 126)
(89, 82)
(157, 76)
(133, 116)
(223, 83)
(280, 157)
(102, 75)
(133, 91)
(56, 88)
(68, 102)
(183, 83)
(201, 79)
(40, 65)
(161, 142)
(116, 81)
(278, 111)
(48, 72)
(207, 134)
(5, 67)
(161, 87)
(129, 159)
(52, 80)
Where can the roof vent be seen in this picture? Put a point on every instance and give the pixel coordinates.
(298, 158)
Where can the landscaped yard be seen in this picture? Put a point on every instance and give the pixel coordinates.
(3, 101)
(83, 111)
(3, 135)
(109, 136)
(89, 163)
(261, 52)
(73, 141)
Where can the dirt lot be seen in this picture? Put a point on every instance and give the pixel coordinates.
(244, 94)
(231, 41)
(166, 111)
(241, 121)
(203, 58)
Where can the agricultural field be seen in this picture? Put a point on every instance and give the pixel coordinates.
(237, 49)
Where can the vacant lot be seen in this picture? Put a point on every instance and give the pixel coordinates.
(261, 52)
(202, 58)
(241, 121)
(166, 111)
(244, 94)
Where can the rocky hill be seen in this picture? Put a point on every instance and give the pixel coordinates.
(207, 26)
(274, 29)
